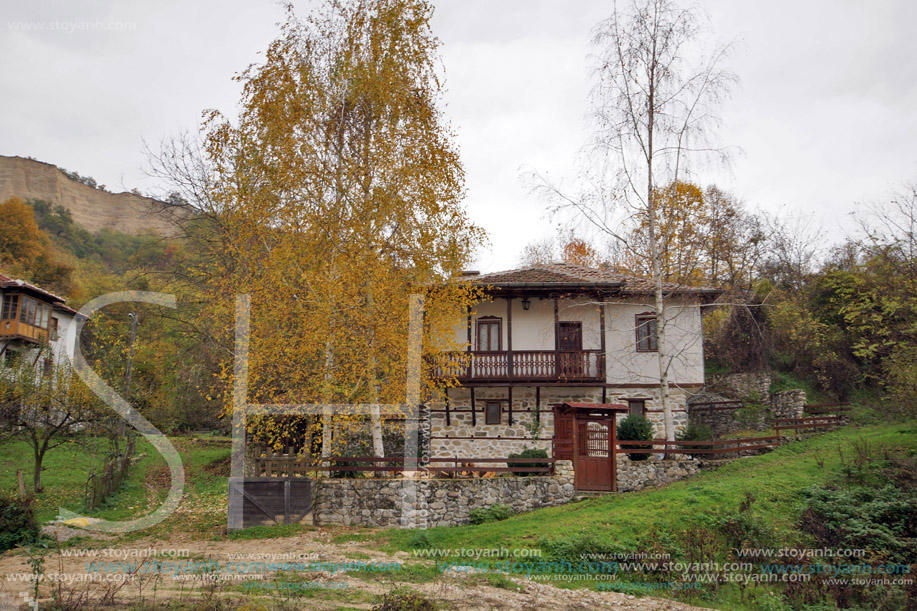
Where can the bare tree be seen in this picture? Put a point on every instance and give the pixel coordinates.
(794, 249)
(890, 231)
(654, 104)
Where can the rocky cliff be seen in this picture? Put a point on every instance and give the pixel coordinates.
(91, 208)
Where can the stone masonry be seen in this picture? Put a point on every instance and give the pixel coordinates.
(783, 404)
(423, 503)
(500, 440)
(651, 473)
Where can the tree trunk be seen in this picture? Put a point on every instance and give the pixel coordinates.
(655, 256)
(375, 416)
(36, 478)
(327, 419)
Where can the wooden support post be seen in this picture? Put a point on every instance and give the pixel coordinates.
(510, 407)
(509, 343)
(604, 394)
(22, 485)
(468, 349)
(474, 419)
(556, 338)
(448, 418)
(287, 511)
(613, 452)
(538, 404)
(603, 365)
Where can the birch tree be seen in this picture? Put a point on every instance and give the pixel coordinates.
(657, 86)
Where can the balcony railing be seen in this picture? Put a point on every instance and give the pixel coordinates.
(532, 366)
(14, 329)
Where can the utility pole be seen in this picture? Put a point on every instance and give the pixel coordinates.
(130, 356)
(130, 363)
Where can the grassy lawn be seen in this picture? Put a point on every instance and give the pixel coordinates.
(628, 521)
(66, 469)
(685, 519)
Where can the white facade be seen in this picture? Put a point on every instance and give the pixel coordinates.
(534, 330)
(567, 334)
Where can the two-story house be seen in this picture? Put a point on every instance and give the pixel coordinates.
(562, 344)
(32, 318)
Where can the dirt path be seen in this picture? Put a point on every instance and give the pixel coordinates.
(150, 566)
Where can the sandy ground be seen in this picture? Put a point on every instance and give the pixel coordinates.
(454, 590)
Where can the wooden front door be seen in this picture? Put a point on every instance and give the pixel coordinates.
(593, 455)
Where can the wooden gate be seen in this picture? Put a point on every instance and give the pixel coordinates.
(593, 452)
(268, 500)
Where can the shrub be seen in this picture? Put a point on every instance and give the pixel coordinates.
(582, 546)
(528, 453)
(695, 431)
(405, 601)
(495, 513)
(636, 428)
(17, 522)
(902, 381)
(420, 540)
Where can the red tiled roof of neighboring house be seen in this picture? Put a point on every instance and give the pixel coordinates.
(568, 275)
(66, 308)
(7, 282)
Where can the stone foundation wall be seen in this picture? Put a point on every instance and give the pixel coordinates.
(783, 404)
(727, 421)
(740, 385)
(500, 440)
(651, 473)
(788, 403)
(423, 503)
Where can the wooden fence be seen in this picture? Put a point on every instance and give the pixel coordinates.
(807, 422)
(100, 485)
(716, 406)
(698, 448)
(827, 408)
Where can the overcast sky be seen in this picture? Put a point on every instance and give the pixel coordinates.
(825, 112)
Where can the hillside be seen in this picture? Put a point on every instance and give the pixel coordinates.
(92, 209)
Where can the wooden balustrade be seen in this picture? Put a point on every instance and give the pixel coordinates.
(531, 366)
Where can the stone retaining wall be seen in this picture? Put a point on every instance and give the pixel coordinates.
(741, 385)
(424, 503)
(788, 403)
(783, 404)
(651, 473)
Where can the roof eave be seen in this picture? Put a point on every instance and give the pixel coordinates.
(551, 285)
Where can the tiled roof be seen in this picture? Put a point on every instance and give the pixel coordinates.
(7, 282)
(569, 274)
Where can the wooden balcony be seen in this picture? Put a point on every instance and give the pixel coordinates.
(14, 329)
(521, 366)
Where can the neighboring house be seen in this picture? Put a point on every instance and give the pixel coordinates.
(568, 346)
(32, 318)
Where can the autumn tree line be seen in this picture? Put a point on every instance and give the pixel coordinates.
(841, 317)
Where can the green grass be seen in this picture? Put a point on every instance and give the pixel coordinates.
(683, 516)
(67, 467)
(410, 572)
(782, 380)
(274, 531)
(64, 473)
